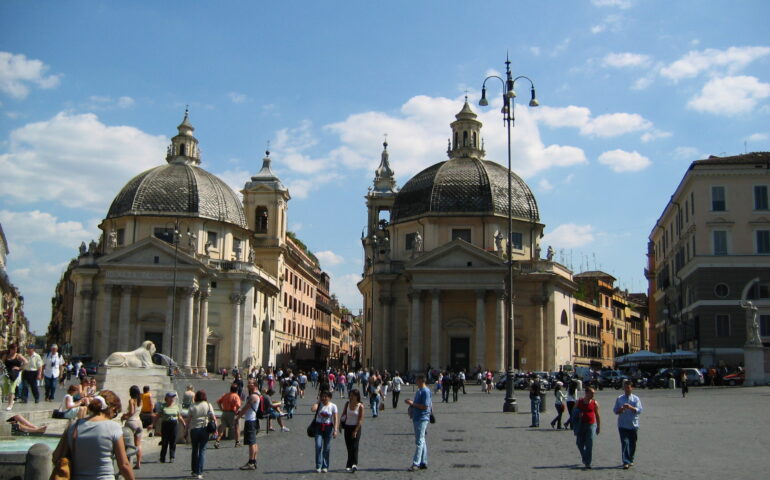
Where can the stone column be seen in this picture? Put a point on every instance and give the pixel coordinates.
(103, 345)
(195, 329)
(480, 328)
(415, 334)
(385, 332)
(124, 320)
(203, 325)
(186, 325)
(237, 299)
(435, 332)
(87, 321)
(500, 330)
(169, 323)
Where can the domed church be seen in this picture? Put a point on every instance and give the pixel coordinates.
(435, 274)
(176, 264)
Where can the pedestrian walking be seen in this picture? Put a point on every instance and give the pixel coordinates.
(290, 397)
(148, 406)
(683, 384)
(560, 399)
(250, 425)
(628, 407)
(351, 420)
(230, 404)
(534, 400)
(396, 383)
(53, 366)
(420, 411)
(461, 377)
(14, 362)
(133, 422)
(571, 400)
(32, 374)
(326, 425)
(91, 443)
(169, 415)
(446, 386)
(587, 425)
(374, 394)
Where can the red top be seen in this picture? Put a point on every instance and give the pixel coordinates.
(588, 411)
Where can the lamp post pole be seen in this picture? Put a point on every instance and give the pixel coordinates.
(509, 405)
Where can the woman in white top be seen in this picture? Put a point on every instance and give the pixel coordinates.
(560, 399)
(353, 419)
(198, 416)
(326, 425)
(396, 388)
(71, 403)
(90, 443)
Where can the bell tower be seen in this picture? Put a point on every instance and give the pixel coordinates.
(381, 197)
(265, 204)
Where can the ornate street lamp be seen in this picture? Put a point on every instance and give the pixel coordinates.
(509, 94)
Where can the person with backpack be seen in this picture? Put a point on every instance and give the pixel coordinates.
(534, 401)
(351, 420)
(290, 397)
(250, 425)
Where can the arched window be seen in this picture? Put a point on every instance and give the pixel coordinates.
(182, 149)
(564, 319)
(475, 145)
(456, 141)
(465, 139)
(261, 220)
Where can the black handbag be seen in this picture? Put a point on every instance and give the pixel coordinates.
(311, 429)
(211, 425)
(432, 417)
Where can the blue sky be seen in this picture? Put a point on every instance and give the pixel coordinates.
(631, 93)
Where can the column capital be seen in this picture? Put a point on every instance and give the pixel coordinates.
(237, 298)
(435, 292)
(187, 291)
(387, 300)
(481, 293)
(500, 294)
(108, 288)
(88, 293)
(414, 292)
(126, 289)
(205, 292)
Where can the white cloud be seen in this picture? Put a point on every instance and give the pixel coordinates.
(346, 289)
(37, 281)
(654, 134)
(101, 102)
(569, 235)
(643, 82)
(545, 185)
(612, 3)
(730, 60)
(291, 145)
(329, 258)
(67, 153)
(418, 136)
(621, 161)
(625, 59)
(757, 137)
(236, 178)
(17, 73)
(607, 125)
(534, 51)
(236, 97)
(686, 153)
(730, 95)
(34, 226)
(611, 22)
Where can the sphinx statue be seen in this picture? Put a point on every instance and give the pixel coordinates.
(139, 358)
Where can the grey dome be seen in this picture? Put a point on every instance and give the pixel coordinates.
(464, 186)
(179, 189)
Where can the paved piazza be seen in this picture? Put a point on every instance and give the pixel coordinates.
(714, 433)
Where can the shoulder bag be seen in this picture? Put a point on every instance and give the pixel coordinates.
(62, 469)
(344, 416)
(211, 425)
(311, 429)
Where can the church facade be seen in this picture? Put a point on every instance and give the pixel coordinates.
(184, 262)
(435, 276)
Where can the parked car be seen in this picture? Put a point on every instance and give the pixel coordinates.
(611, 378)
(694, 377)
(733, 379)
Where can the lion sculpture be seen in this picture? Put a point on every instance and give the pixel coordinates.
(139, 358)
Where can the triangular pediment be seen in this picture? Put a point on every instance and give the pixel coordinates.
(456, 254)
(145, 251)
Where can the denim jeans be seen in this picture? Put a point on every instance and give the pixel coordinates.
(323, 445)
(199, 437)
(29, 383)
(584, 438)
(50, 387)
(535, 405)
(421, 444)
(374, 401)
(627, 444)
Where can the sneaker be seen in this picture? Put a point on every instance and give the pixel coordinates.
(423, 466)
(317, 470)
(216, 444)
(237, 443)
(285, 429)
(324, 470)
(354, 468)
(626, 466)
(200, 477)
(348, 469)
(249, 466)
(413, 468)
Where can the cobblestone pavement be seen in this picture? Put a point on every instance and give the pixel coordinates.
(713, 433)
